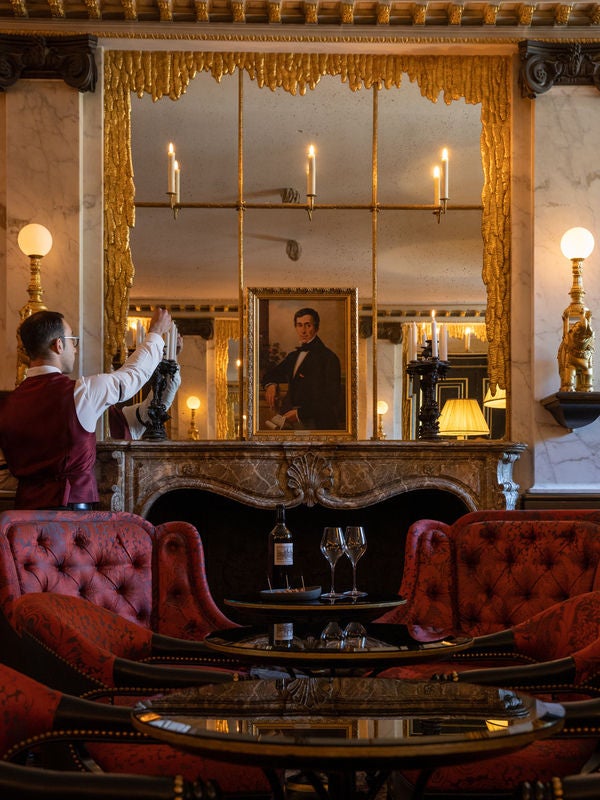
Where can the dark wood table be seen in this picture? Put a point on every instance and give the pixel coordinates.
(341, 726)
(343, 609)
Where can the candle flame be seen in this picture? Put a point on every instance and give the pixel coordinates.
(433, 313)
(311, 150)
(436, 172)
(176, 165)
(445, 154)
(171, 148)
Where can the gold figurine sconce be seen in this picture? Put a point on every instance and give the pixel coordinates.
(575, 353)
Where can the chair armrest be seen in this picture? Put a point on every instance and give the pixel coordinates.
(157, 676)
(549, 674)
(31, 783)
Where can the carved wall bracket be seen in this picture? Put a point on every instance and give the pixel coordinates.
(70, 58)
(548, 64)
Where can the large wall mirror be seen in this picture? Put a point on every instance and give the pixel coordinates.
(241, 124)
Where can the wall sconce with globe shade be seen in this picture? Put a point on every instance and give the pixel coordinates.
(382, 408)
(193, 403)
(35, 241)
(576, 404)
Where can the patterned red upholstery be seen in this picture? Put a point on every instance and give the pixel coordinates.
(87, 637)
(491, 570)
(27, 708)
(153, 576)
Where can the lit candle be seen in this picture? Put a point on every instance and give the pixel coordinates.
(177, 181)
(434, 341)
(443, 343)
(467, 339)
(445, 173)
(167, 347)
(436, 187)
(171, 169)
(413, 341)
(311, 172)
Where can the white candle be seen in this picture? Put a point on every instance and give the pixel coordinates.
(311, 172)
(174, 342)
(171, 169)
(445, 194)
(436, 187)
(167, 347)
(434, 341)
(177, 181)
(467, 339)
(414, 335)
(443, 342)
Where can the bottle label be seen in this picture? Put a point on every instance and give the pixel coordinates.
(283, 554)
(283, 632)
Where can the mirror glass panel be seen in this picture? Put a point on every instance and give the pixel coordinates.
(192, 261)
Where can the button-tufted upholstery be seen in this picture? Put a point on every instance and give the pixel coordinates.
(153, 576)
(491, 570)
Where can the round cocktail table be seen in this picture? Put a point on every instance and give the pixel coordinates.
(341, 726)
(326, 645)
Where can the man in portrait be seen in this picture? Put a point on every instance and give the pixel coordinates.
(312, 374)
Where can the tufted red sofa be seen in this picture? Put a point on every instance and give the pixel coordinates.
(490, 570)
(153, 576)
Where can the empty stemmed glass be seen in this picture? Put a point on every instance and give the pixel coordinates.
(332, 547)
(355, 547)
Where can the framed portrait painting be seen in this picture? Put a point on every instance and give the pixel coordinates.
(302, 363)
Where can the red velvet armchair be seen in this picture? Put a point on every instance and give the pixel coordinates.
(491, 570)
(75, 646)
(56, 733)
(153, 576)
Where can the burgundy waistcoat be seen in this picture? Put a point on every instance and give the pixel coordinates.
(45, 445)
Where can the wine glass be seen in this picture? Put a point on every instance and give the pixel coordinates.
(355, 547)
(332, 547)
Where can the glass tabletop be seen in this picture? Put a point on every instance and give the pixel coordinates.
(329, 644)
(348, 722)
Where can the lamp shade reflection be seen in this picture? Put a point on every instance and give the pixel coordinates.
(497, 400)
(462, 417)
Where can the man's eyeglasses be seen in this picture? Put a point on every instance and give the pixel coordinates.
(74, 338)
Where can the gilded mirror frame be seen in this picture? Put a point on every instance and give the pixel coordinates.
(478, 79)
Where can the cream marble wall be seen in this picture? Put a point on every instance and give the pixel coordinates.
(52, 174)
(567, 194)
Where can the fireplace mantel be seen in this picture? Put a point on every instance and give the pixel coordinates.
(133, 475)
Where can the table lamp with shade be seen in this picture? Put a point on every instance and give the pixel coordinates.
(463, 417)
(496, 400)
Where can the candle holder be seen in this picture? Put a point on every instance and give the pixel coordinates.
(157, 411)
(174, 203)
(428, 370)
(440, 210)
(310, 205)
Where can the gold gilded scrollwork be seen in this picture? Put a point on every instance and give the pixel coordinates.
(477, 79)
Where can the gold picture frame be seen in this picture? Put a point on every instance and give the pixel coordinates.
(318, 399)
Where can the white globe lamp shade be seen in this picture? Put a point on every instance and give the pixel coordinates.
(577, 243)
(193, 402)
(382, 407)
(35, 240)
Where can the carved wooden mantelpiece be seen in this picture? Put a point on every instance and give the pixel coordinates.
(133, 475)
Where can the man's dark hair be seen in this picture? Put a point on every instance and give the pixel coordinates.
(311, 313)
(39, 331)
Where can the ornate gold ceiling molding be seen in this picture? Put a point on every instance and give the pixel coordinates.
(478, 79)
(400, 14)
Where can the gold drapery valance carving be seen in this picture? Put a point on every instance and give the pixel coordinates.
(225, 329)
(478, 79)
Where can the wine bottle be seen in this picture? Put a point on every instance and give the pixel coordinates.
(281, 552)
